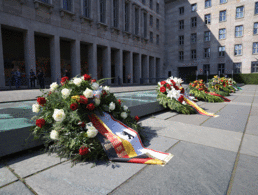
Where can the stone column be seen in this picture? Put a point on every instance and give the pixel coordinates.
(152, 70)
(136, 68)
(93, 60)
(55, 59)
(119, 66)
(107, 64)
(2, 75)
(75, 58)
(29, 52)
(131, 66)
(147, 69)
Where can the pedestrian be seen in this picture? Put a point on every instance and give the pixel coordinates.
(17, 78)
(12, 77)
(32, 78)
(129, 78)
(67, 74)
(41, 79)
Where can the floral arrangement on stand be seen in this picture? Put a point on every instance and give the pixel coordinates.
(199, 90)
(220, 86)
(63, 117)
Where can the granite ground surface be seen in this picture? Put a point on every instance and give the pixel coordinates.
(211, 156)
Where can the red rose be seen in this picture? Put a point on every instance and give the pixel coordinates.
(162, 89)
(73, 106)
(87, 77)
(181, 99)
(83, 100)
(176, 87)
(199, 89)
(136, 118)
(163, 82)
(93, 80)
(173, 82)
(90, 106)
(182, 90)
(82, 124)
(83, 150)
(104, 93)
(40, 122)
(41, 101)
(64, 79)
(168, 86)
(119, 101)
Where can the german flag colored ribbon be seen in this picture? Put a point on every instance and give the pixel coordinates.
(198, 109)
(215, 94)
(123, 144)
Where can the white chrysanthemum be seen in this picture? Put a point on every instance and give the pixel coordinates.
(59, 115)
(92, 132)
(77, 81)
(125, 108)
(112, 106)
(35, 108)
(124, 115)
(53, 86)
(95, 86)
(106, 88)
(97, 101)
(65, 93)
(88, 93)
(54, 135)
(174, 93)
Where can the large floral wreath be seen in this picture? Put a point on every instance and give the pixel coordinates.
(220, 86)
(63, 117)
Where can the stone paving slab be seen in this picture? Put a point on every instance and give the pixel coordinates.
(252, 125)
(6, 176)
(164, 115)
(227, 140)
(213, 107)
(194, 169)
(235, 109)
(254, 111)
(15, 188)
(195, 119)
(245, 181)
(247, 99)
(250, 145)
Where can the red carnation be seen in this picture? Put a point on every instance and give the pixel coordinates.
(163, 82)
(87, 77)
(176, 87)
(181, 99)
(40, 122)
(168, 86)
(162, 89)
(182, 90)
(83, 150)
(136, 118)
(73, 106)
(119, 101)
(90, 106)
(93, 80)
(199, 89)
(104, 93)
(64, 79)
(83, 100)
(173, 82)
(41, 101)
(82, 124)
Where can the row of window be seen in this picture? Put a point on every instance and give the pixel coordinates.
(151, 5)
(221, 68)
(151, 38)
(239, 10)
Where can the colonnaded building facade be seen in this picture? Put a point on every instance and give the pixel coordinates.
(104, 38)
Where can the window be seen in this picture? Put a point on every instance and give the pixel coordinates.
(254, 67)
(207, 3)
(194, 21)
(221, 51)
(181, 55)
(136, 18)
(207, 19)
(67, 5)
(207, 52)
(145, 25)
(255, 48)
(193, 54)
(239, 31)
(238, 50)
(193, 38)
(143, 2)
(127, 13)
(223, 16)
(157, 24)
(206, 67)
(256, 8)
(240, 12)
(157, 39)
(151, 4)
(194, 7)
(151, 20)
(222, 33)
(221, 68)
(181, 40)
(102, 10)
(223, 1)
(115, 13)
(157, 8)
(86, 8)
(181, 24)
(207, 36)
(237, 67)
(151, 37)
(181, 10)
(256, 28)
(45, 1)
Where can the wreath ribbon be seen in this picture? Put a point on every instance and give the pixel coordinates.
(215, 94)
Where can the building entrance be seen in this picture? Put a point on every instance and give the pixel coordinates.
(185, 72)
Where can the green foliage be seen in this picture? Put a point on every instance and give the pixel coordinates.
(201, 95)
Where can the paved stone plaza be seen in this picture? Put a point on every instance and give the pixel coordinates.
(211, 156)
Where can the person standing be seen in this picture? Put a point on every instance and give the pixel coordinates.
(32, 78)
(41, 79)
(67, 74)
(17, 78)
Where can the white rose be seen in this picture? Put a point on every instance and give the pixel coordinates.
(77, 81)
(112, 106)
(95, 86)
(59, 115)
(65, 93)
(92, 132)
(53, 86)
(125, 108)
(97, 101)
(106, 88)
(35, 108)
(88, 93)
(54, 135)
(124, 115)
